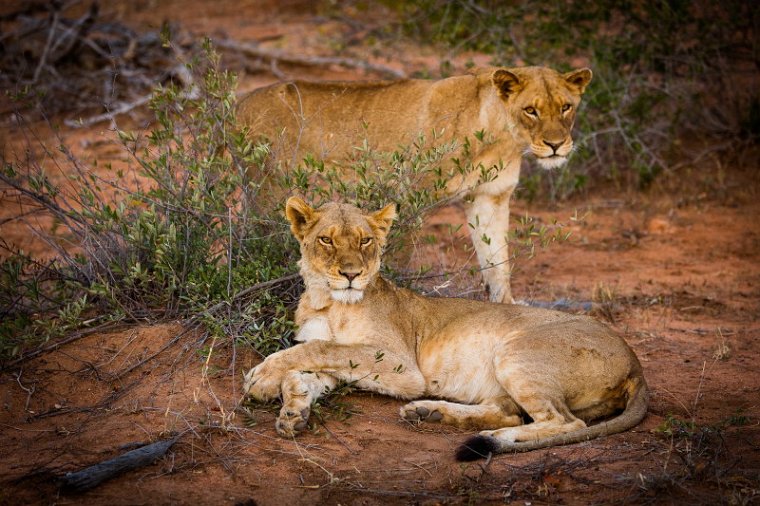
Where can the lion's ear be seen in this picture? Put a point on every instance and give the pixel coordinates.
(382, 220)
(579, 79)
(300, 215)
(506, 82)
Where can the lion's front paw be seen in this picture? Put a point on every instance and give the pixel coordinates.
(418, 412)
(291, 423)
(262, 383)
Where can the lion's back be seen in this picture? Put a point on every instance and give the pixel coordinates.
(329, 119)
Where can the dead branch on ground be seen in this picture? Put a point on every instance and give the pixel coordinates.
(93, 476)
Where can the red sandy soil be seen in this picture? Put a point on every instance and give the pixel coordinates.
(676, 273)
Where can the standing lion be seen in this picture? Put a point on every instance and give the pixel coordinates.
(522, 110)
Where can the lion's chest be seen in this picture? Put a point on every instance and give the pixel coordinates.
(351, 324)
(316, 328)
(342, 324)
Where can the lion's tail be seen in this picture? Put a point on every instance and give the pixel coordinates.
(478, 447)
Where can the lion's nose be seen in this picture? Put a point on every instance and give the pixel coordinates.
(350, 276)
(554, 145)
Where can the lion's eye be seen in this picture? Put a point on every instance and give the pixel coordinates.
(325, 240)
(531, 111)
(566, 107)
(365, 241)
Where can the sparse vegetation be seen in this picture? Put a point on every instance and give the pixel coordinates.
(723, 350)
(605, 301)
(697, 454)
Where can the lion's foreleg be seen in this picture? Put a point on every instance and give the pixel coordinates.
(488, 217)
(369, 367)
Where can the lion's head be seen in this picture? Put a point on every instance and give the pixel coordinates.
(340, 245)
(541, 105)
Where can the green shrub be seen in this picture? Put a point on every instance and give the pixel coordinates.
(189, 233)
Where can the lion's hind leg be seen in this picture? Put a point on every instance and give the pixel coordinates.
(550, 415)
(480, 416)
(549, 419)
(299, 390)
(540, 399)
(545, 424)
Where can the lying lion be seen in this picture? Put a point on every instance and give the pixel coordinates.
(487, 366)
(520, 110)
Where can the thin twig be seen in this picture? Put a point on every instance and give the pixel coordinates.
(699, 390)
(21, 216)
(42, 199)
(253, 288)
(339, 440)
(29, 391)
(109, 116)
(153, 355)
(74, 337)
(48, 43)
(229, 252)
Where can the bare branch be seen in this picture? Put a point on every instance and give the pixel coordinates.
(48, 44)
(109, 116)
(310, 61)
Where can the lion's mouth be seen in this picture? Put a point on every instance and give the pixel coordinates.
(552, 161)
(347, 295)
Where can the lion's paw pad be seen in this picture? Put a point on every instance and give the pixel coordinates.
(420, 413)
(435, 416)
(291, 423)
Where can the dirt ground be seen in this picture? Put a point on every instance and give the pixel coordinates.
(677, 273)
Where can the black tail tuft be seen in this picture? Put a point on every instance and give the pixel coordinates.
(477, 447)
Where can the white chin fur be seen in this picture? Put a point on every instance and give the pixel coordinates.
(348, 296)
(552, 162)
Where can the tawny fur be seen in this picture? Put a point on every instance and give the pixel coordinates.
(529, 109)
(486, 366)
